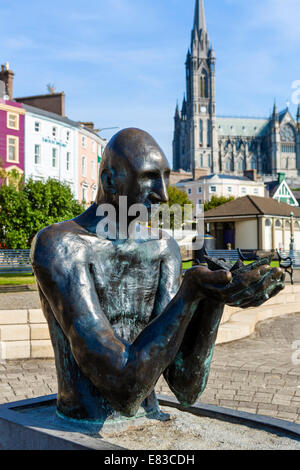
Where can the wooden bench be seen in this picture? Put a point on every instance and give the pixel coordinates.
(15, 261)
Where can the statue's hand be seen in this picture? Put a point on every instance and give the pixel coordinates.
(248, 289)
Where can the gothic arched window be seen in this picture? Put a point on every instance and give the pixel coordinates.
(228, 164)
(253, 164)
(241, 165)
(208, 134)
(287, 134)
(201, 131)
(203, 84)
(288, 139)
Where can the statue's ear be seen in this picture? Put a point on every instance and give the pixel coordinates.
(108, 182)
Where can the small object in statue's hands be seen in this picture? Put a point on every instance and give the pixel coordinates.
(238, 268)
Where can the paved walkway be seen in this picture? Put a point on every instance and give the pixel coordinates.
(256, 374)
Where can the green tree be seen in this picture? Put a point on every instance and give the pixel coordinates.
(25, 210)
(176, 197)
(216, 201)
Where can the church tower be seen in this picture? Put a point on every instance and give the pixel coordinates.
(197, 145)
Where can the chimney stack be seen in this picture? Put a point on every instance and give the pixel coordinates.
(7, 76)
(251, 174)
(199, 173)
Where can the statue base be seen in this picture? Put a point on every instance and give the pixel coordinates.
(34, 425)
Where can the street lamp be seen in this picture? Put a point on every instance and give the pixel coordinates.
(292, 241)
(105, 129)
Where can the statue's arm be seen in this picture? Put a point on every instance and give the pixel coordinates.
(124, 374)
(187, 374)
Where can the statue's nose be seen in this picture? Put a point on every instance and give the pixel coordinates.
(160, 194)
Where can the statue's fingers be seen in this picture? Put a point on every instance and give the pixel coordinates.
(262, 290)
(214, 278)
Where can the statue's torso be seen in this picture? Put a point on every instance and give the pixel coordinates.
(126, 278)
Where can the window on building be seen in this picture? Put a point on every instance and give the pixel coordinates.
(244, 190)
(203, 85)
(199, 202)
(54, 158)
(13, 121)
(268, 223)
(208, 134)
(288, 148)
(93, 194)
(37, 154)
(37, 126)
(209, 161)
(213, 189)
(12, 149)
(54, 131)
(241, 165)
(83, 141)
(253, 164)
(84, 194)
(93, 169)
(68, 161)
(255, 191)
(201, 132)
(93, 146)
(287, 134)
(229, 189)
(199, 190)
(228, 165)
(83, 166)
(68, 135)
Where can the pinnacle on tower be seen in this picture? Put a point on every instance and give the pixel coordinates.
(298, 113)
(275, 111)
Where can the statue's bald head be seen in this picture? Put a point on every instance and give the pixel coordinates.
(129, 156)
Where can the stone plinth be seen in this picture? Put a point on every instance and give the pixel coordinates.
(33, 425)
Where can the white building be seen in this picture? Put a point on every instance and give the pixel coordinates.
(51, 149)
(202, 189)
(54, 149)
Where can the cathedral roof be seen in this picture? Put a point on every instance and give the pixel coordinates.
(239, 126)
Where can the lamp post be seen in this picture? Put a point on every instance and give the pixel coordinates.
(292, 241)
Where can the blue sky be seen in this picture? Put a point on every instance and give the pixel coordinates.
(121, 62)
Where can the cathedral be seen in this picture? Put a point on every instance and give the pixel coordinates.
(227, 145)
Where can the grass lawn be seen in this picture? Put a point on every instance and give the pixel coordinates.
(274, 264)
(16, 279)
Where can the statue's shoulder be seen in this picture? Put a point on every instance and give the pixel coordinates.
(56, 242)
(168, 245)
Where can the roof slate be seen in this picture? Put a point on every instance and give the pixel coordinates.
(253, 205)
(247, 127)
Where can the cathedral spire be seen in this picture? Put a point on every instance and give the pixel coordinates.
(200, 40)
(199, 17)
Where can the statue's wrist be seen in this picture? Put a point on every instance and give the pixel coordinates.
(190, 289)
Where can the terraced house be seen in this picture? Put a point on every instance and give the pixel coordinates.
(12, 117)
(38, 140)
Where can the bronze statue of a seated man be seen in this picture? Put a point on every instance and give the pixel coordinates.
(118, 314)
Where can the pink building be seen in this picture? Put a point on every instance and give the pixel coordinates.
(12, 118)
(90, 147)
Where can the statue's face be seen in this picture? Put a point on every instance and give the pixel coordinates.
(149, 180)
